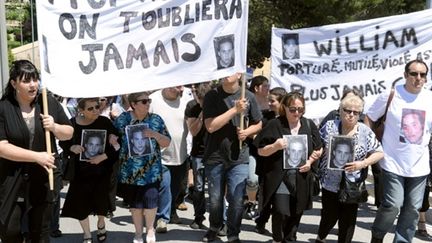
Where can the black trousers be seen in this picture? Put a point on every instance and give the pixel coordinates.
(333, 211)
(285, 221)
(36, 223)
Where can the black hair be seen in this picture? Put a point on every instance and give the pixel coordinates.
(257, 81)
(416, 61)
(20, 70)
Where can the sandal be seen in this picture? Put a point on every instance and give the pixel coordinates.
(101, 234)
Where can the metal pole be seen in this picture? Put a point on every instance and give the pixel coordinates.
(4, 67)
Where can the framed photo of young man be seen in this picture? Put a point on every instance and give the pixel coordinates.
(93, 142)
(295, 153)
(138, 144)
(341, 151)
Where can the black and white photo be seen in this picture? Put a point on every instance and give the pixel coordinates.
(295, 153)
(290, 46)
(93, 142)
(138, 144)
(224, 49)
(341, 152)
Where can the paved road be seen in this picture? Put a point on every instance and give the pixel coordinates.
(120, 228)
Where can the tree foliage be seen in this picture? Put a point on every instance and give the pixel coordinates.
(295, 14)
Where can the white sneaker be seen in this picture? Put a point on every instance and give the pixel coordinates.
(161, 226)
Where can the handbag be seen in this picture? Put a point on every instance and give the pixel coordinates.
(316, 188)
(378, 126)
(352, 192)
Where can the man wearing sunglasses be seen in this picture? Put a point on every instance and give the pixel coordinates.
(405, 166)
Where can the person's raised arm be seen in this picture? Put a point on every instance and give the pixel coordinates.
(270, 149)
(195, 124)
(215, 123)
(61, 132)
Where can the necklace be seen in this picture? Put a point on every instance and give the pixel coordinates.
(28, 116)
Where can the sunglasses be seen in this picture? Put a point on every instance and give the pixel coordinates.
(415, 74)
(143, 101)
(294, 109)
(355, 113)
(102, 99)
(96, 107)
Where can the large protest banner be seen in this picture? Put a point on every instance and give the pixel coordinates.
(109, 47)
(369, 55)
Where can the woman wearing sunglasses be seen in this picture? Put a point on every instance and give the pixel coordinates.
(367, 151)
(289, 191)
(89, 190)
(139, 177)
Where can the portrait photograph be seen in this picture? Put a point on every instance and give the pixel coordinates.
(412, 126)
(138, 144)
(290, 46)
(224, 49)
(93, 142)
(341, 151)
(295, 154)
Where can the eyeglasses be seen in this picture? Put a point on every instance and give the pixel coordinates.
(355, 113)
(143, 101)
(416, 74)
(294, 109)
(93, 108)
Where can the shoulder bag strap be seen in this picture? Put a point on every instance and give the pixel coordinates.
(392, 92)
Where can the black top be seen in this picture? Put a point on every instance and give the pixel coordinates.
(222, 146)
(193, 109)
(14, 129)
(83, 169)
(272, 168)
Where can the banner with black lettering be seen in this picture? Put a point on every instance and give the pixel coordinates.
(369, 55)
(101, 48)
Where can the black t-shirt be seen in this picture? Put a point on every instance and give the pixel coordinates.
(222, 146)
(193, 109)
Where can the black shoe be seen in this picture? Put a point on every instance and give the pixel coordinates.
(423, 234)
(376, 240)
(56, 233)
(110, 215)
(252, 210)
(174, 219)
(196, 224)
(234, 241)
(210, 236)
(260, 229)
(223, 230)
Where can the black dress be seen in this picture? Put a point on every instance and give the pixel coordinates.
(89, 189)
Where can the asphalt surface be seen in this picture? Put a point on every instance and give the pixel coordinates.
(120, 228)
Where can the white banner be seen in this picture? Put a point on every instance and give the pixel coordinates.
(369, 55)
(101, 48)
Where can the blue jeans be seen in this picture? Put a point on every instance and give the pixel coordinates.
(197, 192)
(404, 195)
(234, 179)
(164, 209)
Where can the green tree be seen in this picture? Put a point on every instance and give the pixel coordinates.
(295, 14)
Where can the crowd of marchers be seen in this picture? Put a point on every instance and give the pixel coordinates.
(254, 152)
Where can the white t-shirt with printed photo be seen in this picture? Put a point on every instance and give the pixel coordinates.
(402, 155)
